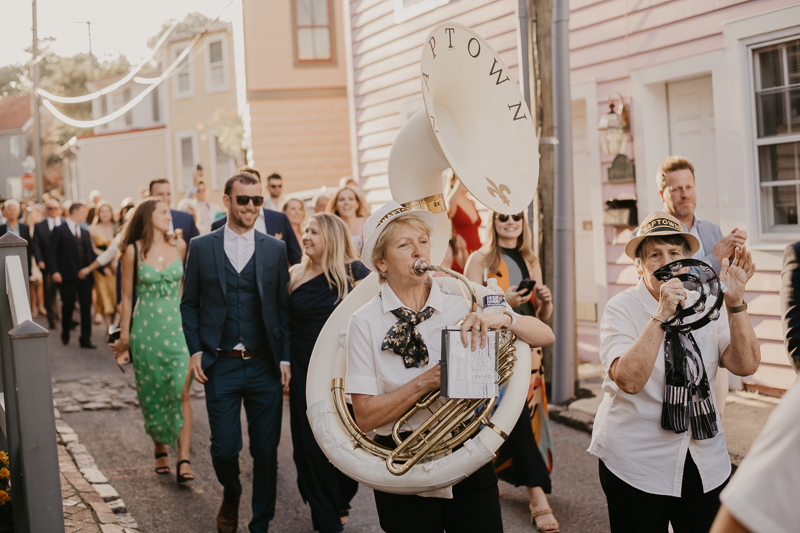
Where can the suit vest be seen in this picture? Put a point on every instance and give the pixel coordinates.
(243, 320)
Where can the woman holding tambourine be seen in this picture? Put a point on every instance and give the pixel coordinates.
(525, 459)
(393, 350)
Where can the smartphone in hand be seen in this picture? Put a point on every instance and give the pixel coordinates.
(526, 285)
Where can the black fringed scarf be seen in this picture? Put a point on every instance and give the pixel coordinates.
(687, 396)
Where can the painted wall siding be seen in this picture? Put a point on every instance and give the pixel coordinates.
(270, 50)
(609, 39)
(195, 113)
(120, 164)
(296, 132)
(386, 71)
(304, 140)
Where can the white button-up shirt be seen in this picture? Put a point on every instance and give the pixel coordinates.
(261, 224)
(239, 248)
(53, 222)
(762, 493)
(373, 371)
(627, 434)
(74, 228)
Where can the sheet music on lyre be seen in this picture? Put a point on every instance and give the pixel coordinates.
(468, 374)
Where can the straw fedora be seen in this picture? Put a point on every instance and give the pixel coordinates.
(660, 224)
(378, 221)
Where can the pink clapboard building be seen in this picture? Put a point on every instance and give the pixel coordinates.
(717, 81)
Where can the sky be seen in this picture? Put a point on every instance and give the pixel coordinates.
(117, 26)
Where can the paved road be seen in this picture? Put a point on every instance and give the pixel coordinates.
(123, 451)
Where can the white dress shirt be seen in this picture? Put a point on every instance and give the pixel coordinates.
(373, 371)
(763, 493)
(261, 224)
(273, 205)
(53, 222)
(627, 434)
(74, 228)
(239, 248)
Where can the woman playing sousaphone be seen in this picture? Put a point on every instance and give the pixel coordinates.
(393, 351)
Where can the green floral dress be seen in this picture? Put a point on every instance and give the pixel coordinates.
(159, 352)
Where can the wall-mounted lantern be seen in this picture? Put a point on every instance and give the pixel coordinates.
(613, 127)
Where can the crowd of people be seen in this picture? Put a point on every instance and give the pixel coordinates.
(235, 297)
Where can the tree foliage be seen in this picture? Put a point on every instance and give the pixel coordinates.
(191, 24)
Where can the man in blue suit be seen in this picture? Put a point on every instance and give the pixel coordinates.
(70, 251)
(236, 323)
(272, 223)
(161, 188)
(11, 211)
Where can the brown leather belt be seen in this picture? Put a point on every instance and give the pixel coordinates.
(241, 354)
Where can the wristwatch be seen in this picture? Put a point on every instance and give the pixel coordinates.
(737, 309)
(513, 316)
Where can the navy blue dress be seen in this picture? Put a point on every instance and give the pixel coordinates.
(327, 490)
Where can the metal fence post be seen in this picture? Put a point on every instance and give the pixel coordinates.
(41, 484)
(11, 245)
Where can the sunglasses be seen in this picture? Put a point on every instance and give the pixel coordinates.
(275, 186)
(504, 218)
(243, 200)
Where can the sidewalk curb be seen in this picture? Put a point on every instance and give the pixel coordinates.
(584, 422)
(88, 494)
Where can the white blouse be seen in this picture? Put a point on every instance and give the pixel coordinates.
(627, 434)
(373, 371)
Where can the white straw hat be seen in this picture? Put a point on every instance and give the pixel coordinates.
(378, 221)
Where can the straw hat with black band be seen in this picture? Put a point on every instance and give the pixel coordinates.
(380, 219)
(660, 224)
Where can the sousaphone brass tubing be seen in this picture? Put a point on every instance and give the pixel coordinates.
(434, 436)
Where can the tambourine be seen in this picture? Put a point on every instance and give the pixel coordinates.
(697, 276)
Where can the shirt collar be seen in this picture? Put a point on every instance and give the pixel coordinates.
(70, 224)
(392, 302)
(54, 220)
(645, 297)
(232, 235)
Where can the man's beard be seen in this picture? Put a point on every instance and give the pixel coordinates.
(239, 220)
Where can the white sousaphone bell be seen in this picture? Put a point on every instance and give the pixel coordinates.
(476, 122)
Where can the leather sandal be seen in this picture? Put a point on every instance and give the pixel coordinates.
(544, 528)
(162, 470)
(183, 478)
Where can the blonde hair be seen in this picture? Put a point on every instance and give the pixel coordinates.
(492, 254)
(407, 219)
(339, 252)
(363, 208)
(671, 164)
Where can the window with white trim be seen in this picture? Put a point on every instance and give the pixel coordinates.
(777, 104)
(313, 30)
(408, 9)
(183, 84)
(187, 159)
(222, 164)
(216, 65)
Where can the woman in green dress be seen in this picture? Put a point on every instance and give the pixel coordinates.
(153, 338)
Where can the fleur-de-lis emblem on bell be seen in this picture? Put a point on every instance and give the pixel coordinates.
(499, 192)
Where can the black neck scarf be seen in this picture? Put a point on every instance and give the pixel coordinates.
(687, 394)
(404, 339)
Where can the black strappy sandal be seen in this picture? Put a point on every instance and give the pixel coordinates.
(183, 478)
(162, 470)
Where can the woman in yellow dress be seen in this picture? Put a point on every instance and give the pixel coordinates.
(102, 232)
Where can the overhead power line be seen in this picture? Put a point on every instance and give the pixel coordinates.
(114, 86)
(139, 97)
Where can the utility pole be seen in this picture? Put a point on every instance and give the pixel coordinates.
(564, 318)
(91, 55)
(550, 85)
(37, 126)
